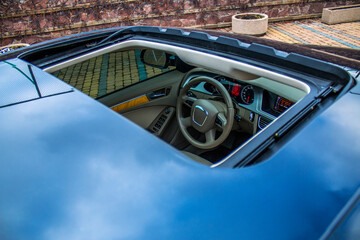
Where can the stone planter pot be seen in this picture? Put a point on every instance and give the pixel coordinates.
(250, 23)
(349, 13)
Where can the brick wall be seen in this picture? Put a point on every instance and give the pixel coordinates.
(33, 21)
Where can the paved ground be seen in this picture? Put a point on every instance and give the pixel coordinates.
(314, 32)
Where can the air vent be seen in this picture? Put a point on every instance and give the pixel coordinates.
(263, 122)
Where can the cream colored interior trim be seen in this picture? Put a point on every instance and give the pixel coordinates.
(144, 116)
(231, 68)
(288, 92)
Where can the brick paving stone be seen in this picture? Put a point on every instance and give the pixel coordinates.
(294, 30)
(280, 36)
(313, 32)
(337, 35)
(309, 36)
(330, 36)
(348, 28)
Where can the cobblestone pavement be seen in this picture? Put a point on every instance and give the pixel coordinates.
(346, 35)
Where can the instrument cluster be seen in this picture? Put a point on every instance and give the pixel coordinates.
(244, 94)
(241, 93)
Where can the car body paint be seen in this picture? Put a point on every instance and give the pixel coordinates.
(79, 170)
(71, 168)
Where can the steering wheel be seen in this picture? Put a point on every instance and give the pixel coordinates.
(207, 116)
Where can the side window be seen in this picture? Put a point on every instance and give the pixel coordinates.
(104, 74)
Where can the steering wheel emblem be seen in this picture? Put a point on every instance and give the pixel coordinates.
(199, 115)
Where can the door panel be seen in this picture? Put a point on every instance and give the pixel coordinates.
(145, 116)
(150, 104)
(151, 88)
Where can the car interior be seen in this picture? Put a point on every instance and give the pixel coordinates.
(205, 105)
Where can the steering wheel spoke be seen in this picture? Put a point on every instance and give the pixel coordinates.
(186, 121)
(210, 136)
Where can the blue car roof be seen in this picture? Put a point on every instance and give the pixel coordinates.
(21, 82)
(72, 168)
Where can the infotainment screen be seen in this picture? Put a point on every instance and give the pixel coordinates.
(281, 104)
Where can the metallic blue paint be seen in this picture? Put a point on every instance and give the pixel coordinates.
(71, 168)
(18, 84)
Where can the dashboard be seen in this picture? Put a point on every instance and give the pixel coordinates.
(259, 101)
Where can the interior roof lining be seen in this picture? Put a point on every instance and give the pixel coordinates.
(229, 67)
